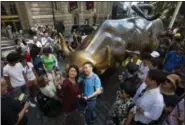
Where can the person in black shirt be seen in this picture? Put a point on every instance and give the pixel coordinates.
(168, 91)
(13, 112)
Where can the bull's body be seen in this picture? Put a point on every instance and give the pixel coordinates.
(113, 38)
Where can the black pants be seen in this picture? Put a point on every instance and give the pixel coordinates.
(116, 120)
(139, 123)
(33, 91)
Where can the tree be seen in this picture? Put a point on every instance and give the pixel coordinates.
(166, 9)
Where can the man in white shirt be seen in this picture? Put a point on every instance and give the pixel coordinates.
(14, 75)
(47, 42)
(149, 101)
(46, 39)
(144, 67)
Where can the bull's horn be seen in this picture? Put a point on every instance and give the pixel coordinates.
(107, 60)
(64, 46)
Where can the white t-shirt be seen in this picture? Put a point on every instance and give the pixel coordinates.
(49, 90)
(30, 41)
(38, 44)
(15, 74)
(143, 71)
(29, 72)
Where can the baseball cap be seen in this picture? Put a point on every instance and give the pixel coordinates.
(155, 54)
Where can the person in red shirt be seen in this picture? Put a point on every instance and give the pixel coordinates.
(27, 57)
(70, 90)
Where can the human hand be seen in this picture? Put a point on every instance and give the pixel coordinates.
(140, 110)
(79, 96)
(180, 119)
(55, 68)
(85, 97)
(46, 70)
(10, 87)
(59, 87)
(120, 77)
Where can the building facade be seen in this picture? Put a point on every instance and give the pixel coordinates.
(46, 13)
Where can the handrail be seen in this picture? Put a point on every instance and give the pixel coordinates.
(9, 17)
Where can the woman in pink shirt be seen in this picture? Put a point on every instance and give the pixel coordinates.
(177, 115)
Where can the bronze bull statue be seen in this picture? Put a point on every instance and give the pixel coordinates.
(114, 37)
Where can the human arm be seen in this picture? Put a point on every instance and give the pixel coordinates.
(22, 112)
(129, 119)
(25, 77)
(52, 40)
(7, 78)
(43, 64)
(35, 73)
(154, 113)
(97, 89)
(33, 69)
(55, 59)
(168, 109)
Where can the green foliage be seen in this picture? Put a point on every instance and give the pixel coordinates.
(166, 9)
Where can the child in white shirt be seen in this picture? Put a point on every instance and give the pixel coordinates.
(31, 76)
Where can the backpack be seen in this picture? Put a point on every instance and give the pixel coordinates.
(50, 107)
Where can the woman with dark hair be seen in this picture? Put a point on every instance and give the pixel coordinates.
(37, 61)
(70, 89)
(124, 101)
(49, 60)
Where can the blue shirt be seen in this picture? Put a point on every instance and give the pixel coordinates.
(90, 84)
(173, 60)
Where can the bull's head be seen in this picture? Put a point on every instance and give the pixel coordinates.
(113, 38)
(79, 57)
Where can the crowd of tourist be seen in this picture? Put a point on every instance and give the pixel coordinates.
(151, 88)
(31, 76)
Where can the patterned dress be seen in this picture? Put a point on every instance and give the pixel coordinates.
(120, 109)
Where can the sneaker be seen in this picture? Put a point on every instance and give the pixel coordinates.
(35, 99)
(110, 122)
(32, 104)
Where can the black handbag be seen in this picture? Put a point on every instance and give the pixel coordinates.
(50, 107)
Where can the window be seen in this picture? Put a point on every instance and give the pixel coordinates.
(3, 11)
(13, 9)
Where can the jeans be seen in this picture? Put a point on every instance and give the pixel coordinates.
(91, 104)
(18, 90)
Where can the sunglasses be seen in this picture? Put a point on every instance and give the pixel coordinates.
(168, 81)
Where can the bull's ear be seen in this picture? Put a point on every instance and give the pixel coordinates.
(107, 60)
